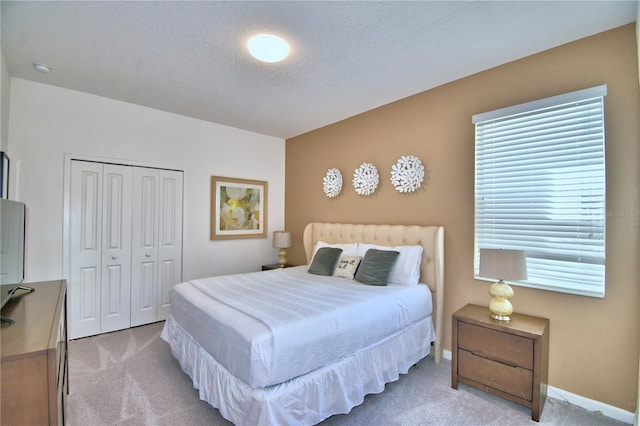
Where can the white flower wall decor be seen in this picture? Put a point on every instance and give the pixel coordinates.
(365, 179)
(332, 183)
(407, 174)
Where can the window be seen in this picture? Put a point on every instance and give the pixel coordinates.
(540, 187)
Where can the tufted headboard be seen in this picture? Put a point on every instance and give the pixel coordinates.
(431, 238)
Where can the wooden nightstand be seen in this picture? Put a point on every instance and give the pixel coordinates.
(275, 266)
(506, 359)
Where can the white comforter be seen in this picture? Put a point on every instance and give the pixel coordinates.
(268, 327)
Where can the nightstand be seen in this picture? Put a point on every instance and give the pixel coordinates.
(275, 266)
(506, 359)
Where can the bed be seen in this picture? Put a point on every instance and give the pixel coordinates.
(289, 347)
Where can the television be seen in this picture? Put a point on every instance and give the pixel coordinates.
(12, 234)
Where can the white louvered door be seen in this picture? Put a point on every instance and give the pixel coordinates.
(125, 245)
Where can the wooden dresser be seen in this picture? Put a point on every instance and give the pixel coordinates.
(34, 356)
(507, 359)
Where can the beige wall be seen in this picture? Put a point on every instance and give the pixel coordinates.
(594, 343)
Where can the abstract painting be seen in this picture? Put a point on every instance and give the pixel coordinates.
(238, 208)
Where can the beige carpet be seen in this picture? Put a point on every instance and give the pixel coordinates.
(129, 377)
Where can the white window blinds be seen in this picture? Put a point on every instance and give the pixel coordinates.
(540, 187)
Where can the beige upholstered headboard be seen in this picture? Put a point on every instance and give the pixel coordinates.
(431, 238)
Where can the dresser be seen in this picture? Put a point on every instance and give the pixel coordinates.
(34, 356)
(506, 359)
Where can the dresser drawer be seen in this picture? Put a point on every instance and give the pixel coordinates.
(503, 347)
(513, 380)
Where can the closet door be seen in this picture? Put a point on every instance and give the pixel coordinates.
(116, 253)
(156, 242)
(100, 241)
(170, 238)
(86, 249)
(144, 256)
(125, 245)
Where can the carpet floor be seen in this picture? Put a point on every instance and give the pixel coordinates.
(129, 377)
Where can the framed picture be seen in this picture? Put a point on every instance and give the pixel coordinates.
(238, 208)
(4, 175)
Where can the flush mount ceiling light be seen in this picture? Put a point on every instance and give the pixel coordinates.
(268, 48)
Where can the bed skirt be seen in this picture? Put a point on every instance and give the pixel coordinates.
(307, 399)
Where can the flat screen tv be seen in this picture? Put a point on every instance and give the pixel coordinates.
(12, 218)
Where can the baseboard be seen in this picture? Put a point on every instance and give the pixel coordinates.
(580, 401)
(591, 405)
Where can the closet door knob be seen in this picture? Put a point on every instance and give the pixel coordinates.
(114, 257)
(147, 255)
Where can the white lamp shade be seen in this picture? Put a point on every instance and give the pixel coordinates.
(281, 239)
(503, 264)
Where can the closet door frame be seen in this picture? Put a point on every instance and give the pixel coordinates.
(66, 225)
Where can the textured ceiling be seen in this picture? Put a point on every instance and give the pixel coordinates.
(347, 57)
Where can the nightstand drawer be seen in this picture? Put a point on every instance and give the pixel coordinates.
(513, 380)
(503, 347)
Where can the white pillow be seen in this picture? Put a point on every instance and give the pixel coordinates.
(406, 270)
(347, 249)
(347, 267)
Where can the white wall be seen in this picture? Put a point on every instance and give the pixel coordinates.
(4, 102)
(48, 122)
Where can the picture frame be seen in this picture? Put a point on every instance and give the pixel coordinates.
(238, 208)
(4, 175)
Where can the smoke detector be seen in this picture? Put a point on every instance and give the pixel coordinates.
(41, 67)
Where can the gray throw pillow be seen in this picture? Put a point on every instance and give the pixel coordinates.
(376, 266)
(325, 260)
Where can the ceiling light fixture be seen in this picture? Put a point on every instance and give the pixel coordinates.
(40, 67)
(268, 48)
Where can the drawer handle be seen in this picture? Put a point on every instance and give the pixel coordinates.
(501, 361)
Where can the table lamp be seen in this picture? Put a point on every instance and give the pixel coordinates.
(502, 265)
(282, 241)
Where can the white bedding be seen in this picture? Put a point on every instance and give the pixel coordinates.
(304, 400)
(262, 345)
